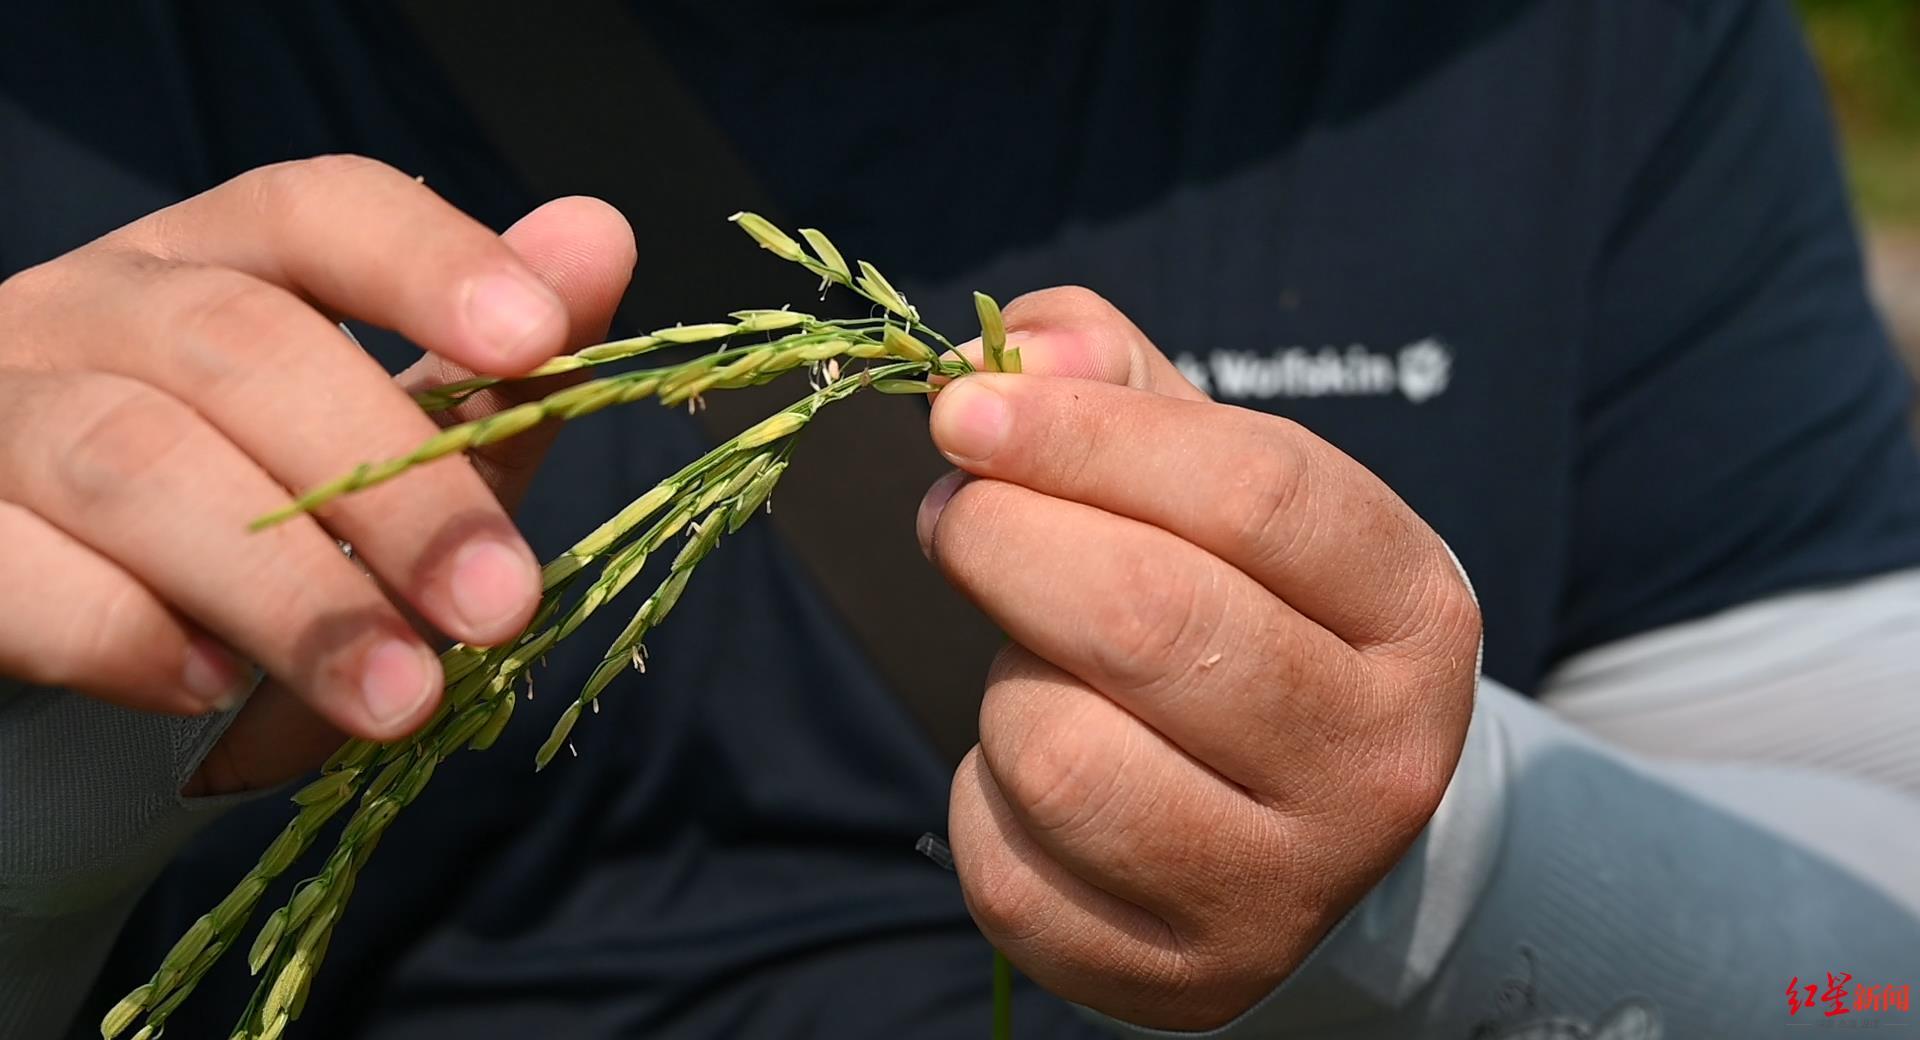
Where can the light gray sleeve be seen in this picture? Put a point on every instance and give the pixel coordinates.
(1575, 889)
(89, 814)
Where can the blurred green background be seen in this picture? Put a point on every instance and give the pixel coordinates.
(1869, 52)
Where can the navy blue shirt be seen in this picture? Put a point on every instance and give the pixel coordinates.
(1620, 227)
(1576, 278)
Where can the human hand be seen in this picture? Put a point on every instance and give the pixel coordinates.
(167, 383)
(1241, 675)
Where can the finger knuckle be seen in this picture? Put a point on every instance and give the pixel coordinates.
(1407, 789)
(298, 174)
(1412, 764)
(1158, 984)
(1173, 984)
(1438, 649)
(1263, 499)
(280, 188)
(223, 322)
(122, 432)
(1064, 780)
(1157, 614)
(1001, 892)
(1003, 897)
(345, 164)
(1453, 614)
(1205, 990)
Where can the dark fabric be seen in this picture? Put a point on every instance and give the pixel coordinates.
(603, 68)
(1575, 277)
(1623, 222)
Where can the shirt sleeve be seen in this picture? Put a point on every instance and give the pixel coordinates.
(1569, 888)
(90, 812)
(1741, 427)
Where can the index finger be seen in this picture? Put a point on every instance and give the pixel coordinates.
(366, 241)
(303, 404)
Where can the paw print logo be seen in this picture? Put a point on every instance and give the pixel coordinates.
(1424, 369)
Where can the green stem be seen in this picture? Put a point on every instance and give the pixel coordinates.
(443, 397)
(727, 485)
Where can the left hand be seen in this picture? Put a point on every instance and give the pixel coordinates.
(1241, 674)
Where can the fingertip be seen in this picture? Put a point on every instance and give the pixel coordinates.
(586, 250)
(494, 588)
(513, 321)
(213, 675)
(598, 223)
(586, 218)
(399, 686)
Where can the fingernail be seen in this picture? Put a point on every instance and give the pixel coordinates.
(212, 674)
(931, 506)
(394, 680)
(507, 314)
(970, 420)
(492, 585)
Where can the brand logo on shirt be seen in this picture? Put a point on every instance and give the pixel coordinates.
(1419, 372)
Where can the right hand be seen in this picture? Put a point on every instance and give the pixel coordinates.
(165, 384)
